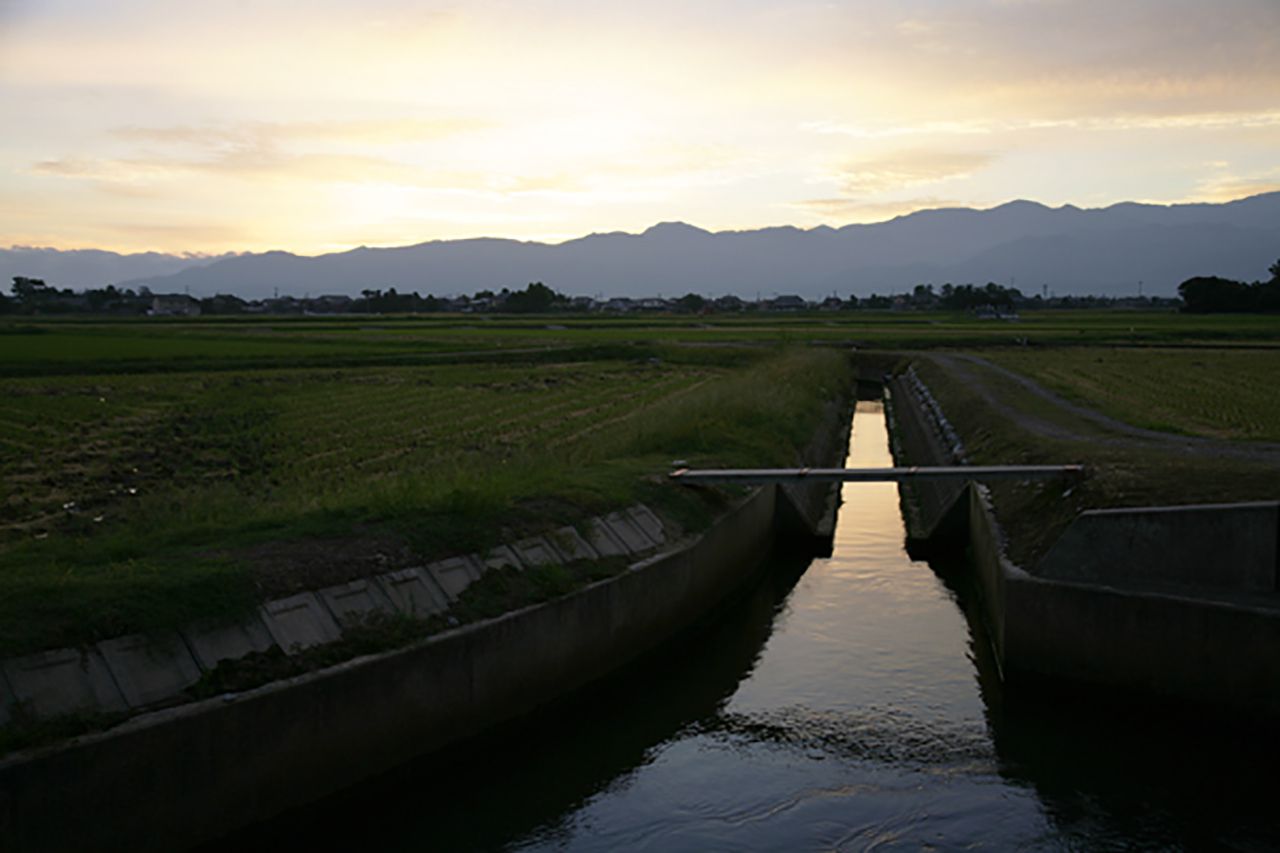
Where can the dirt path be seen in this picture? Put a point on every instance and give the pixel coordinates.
(970, 370)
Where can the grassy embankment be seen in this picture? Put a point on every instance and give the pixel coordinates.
(142, 499)
(1228, 395)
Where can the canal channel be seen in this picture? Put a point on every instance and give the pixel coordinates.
(844, 703)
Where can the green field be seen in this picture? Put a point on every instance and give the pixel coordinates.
(159, 471)
(1219, 393)
(75, 345)
(1223, 401)
(142, 500)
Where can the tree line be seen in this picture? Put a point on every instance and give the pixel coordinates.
(1214, 295)
(35, 296)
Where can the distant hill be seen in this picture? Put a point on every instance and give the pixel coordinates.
(82, 268)
(1070, 250)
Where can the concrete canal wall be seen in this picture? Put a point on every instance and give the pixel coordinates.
(172, 778)
(809, 510)
(1231, 547)
(1171, 601)
(136, 673)
(921, 432)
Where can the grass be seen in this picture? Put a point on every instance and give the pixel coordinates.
(1119, 471)
(1217, 393)
(138, 501)
(498, 592)
(155, 470)
(81, 345)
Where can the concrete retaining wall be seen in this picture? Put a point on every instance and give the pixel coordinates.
(809, 509)
(1208, 546)
(172, 778)
(1216, 641)
(994, 570)
(135, 674)
(1211, 652)
(918, 437)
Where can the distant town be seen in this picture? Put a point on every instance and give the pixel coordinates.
(34, 296)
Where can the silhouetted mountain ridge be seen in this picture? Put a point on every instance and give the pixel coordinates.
(1067, 250)
(84, 268)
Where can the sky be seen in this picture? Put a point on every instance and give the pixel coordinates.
(248, 125)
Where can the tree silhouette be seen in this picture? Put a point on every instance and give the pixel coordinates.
(534, 299)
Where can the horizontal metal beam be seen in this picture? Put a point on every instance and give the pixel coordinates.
(875, 475)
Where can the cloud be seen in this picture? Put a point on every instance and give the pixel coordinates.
(69, 168)
(1094, 41)
(864, 183)
(485, 113)
(318, 151)
(1243, 120)
(857, 210)
(118, 177)
(915, 60)
(1229, 187)
(237, 163)
(902, 170)
(170, 233)
(359, 131)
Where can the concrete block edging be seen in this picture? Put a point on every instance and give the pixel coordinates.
(135, 672)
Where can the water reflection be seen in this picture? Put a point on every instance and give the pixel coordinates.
(844, 703)
(529, 780)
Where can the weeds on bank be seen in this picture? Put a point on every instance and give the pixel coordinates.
(1119, 472)
(499, 591)
(231, 471)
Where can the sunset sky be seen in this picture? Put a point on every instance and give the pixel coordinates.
(322, 125)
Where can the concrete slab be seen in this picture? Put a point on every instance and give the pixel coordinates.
(63, 681)
(455, 574)
(569, 542)
(1231, 547)
(649, 522)
(629, 533)
(356, 602)
(413, 592)
(299, 622)
(537, 551)
(213, 644)
(150, 669)
(603, 540)
(501, 557)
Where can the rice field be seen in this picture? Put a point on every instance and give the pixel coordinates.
(41, 346)
(154, 472)
(142, 500)
(1218, 393)
(74, 447)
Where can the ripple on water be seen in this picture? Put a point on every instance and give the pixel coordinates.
(887, 735)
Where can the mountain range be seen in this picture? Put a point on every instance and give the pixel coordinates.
(1064, 250)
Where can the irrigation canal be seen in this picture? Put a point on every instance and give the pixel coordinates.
(846, 703)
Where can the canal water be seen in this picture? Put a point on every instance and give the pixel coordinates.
(846, 703)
